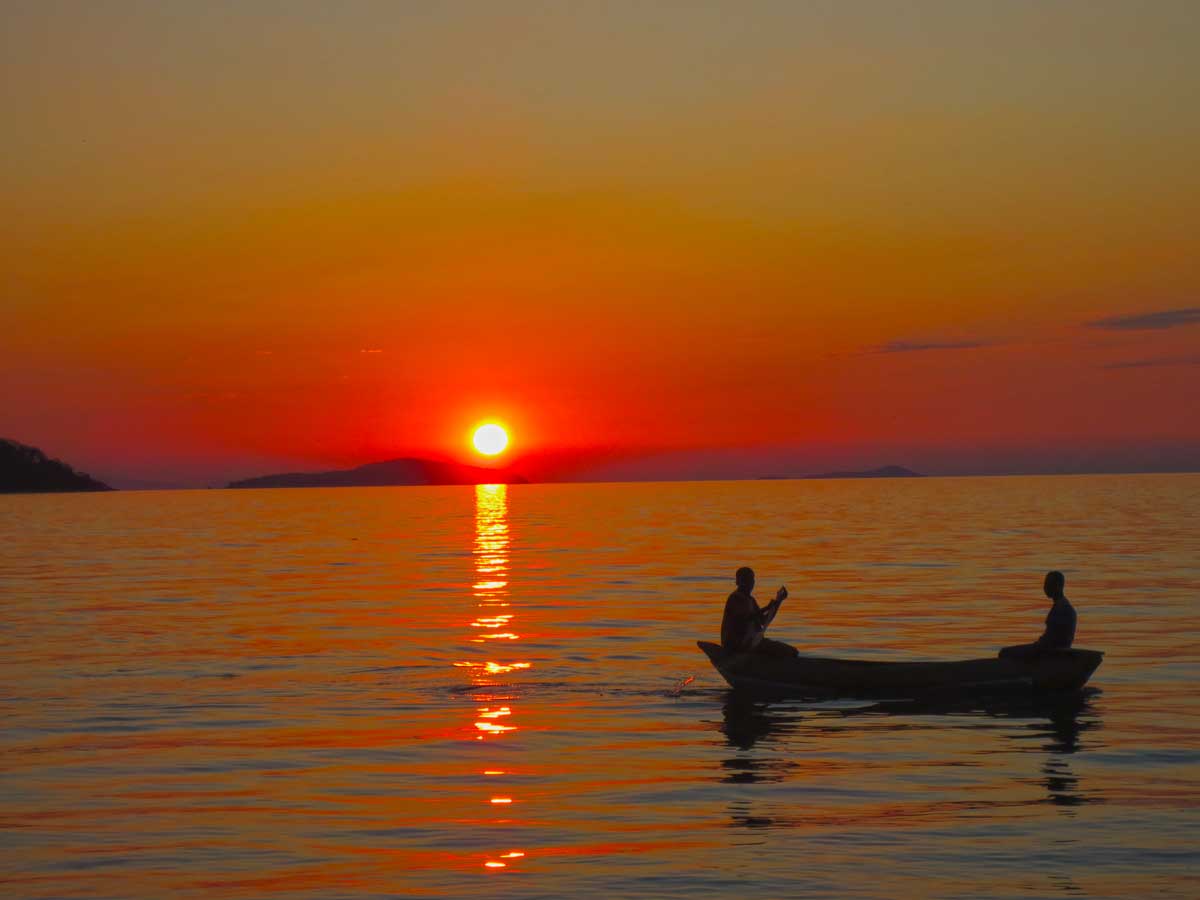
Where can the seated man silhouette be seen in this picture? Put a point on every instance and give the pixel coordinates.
(1060, 623)
(744, 621)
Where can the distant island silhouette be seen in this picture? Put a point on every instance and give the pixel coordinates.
(882, 472)
(405, 471)
(27, 470)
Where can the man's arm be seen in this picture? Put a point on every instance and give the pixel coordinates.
(1060, 629)
(767, 614)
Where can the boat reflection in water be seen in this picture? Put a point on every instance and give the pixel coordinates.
(835, 751)
(1053, 724)
(1068, 717)
(745, 722)
(492, 630)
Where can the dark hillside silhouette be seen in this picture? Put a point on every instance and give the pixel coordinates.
(406, 471)
(27, 470)
(884, 472)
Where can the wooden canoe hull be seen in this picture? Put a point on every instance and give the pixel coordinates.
(1057, 670)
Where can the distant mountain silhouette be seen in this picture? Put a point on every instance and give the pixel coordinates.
(27, 470)
(406, 471)
(884, 472)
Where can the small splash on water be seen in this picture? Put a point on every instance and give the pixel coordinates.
(680, 685)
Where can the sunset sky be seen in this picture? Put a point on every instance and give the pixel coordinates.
(669, 239)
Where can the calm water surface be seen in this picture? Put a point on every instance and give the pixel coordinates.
(475, 692)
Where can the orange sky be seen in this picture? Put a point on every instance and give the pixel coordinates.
(773, 236)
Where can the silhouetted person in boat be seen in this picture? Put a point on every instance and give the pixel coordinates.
(1060, 622)
(744, 621)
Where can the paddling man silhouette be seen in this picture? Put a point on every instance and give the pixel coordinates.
(744, 621)
(1060, 622)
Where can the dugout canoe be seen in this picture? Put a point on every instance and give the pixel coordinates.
(1052, 671)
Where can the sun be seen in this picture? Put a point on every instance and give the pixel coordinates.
(490, 439)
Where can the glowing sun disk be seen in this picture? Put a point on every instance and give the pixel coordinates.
(490, 439)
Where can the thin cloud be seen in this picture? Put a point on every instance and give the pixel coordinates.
(1153, 362)
(923, 346)
(1155, 321)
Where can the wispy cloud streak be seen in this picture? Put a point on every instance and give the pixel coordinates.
(1193, 360)
(1167, 318)
(923, 346)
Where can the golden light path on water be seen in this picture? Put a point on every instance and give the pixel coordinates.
(493, 622)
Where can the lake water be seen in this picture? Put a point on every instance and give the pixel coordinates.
(478, 692)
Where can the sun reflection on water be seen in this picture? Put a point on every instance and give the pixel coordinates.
(493, 621)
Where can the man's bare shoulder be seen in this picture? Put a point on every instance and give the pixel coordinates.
(738, 601)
